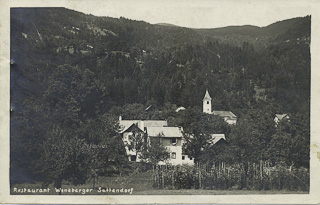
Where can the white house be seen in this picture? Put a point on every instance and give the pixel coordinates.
(171, 138)
(128, 137)
(228, 116)
(280, 117)
(130, 129)
(215, 138)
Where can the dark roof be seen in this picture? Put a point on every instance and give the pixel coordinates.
(207, 96)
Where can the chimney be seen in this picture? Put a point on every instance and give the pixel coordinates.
(120, 117)
(141, 125)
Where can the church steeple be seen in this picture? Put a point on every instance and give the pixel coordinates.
(207, 103)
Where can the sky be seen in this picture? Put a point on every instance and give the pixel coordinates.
(197, 14)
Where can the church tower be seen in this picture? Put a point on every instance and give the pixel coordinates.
(207, 103)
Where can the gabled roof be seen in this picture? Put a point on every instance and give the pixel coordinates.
(224, 114)
(282, 116)
(130, 128)
(216, 138)
(125, 124)
(166, 131)
(207, 96)
(155, 123)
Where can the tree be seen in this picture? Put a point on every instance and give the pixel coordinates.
(250, 137)
(137, 140)
(198, 128)
(64, 159)
(77, 158)
(155, 151)
(78, 140)
(290, 142)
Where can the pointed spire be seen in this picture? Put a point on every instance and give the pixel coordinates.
(207, 96)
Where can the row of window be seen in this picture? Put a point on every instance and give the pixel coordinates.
(174, 155)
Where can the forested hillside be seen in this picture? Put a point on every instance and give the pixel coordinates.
(70, 72)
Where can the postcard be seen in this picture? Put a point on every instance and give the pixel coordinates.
(132, 102)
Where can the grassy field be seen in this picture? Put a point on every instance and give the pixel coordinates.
(136, 184)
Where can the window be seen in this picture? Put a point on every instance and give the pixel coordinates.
(173, 155)
(190, 158)
(133, 158)
(174, 140)
(208, 102)
(183, 157)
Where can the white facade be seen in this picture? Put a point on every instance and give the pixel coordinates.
(227, 116)
(280, 117)
(174, 147)
(171, 138)
(231, 121)
(132, 154)
(206, 103)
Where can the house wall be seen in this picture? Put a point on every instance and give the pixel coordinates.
(132, 152)
(173, 148)
(207, 106)
(231, 121)
(167, 142)
(187, 160)
(178, 153)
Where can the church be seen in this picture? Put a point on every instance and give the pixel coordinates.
(228, 116)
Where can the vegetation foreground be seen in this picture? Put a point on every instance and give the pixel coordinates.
(72, 75)
(180, 180)
(141, 184)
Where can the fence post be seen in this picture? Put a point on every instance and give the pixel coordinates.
(172, 176)
(261, 169)
(158, 177)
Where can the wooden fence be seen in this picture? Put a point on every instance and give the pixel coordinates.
(256, 176)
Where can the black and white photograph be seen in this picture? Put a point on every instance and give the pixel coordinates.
(165, 99)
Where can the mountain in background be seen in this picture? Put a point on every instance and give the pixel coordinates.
(68, 70)
(166, 24)
(136, 62)
(261, 37)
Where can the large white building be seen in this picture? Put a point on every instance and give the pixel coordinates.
(171, 138)
(228, 116)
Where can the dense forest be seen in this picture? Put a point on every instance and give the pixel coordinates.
(73, 74)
